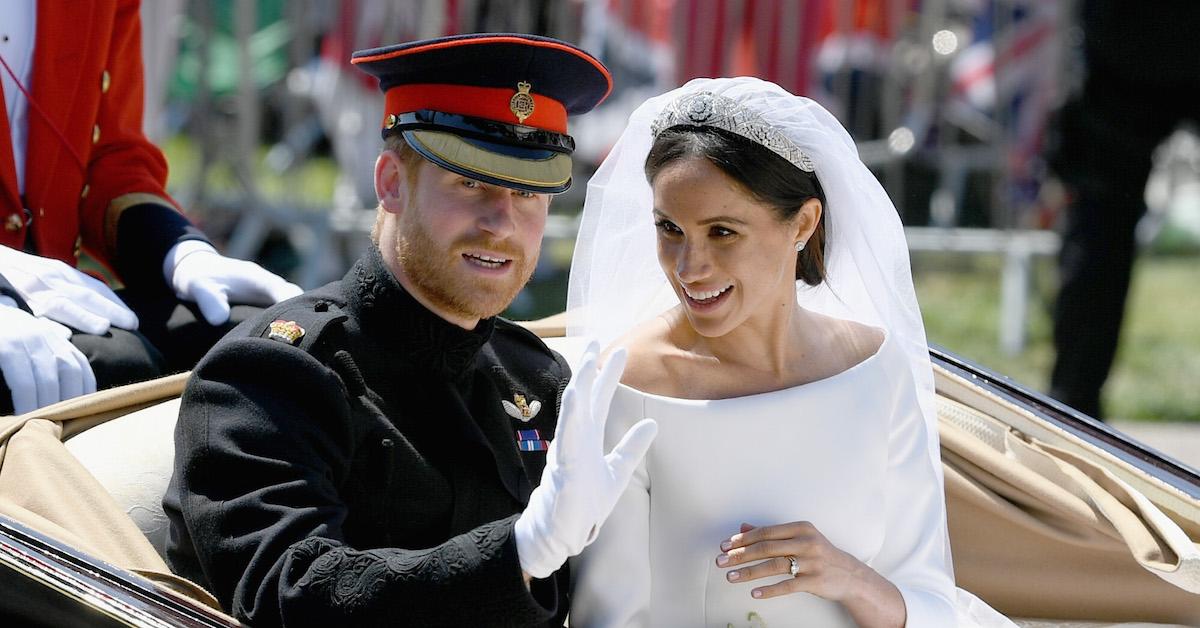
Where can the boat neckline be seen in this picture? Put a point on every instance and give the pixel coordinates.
(815, 383)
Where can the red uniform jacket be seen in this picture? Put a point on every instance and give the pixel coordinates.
(87, 78)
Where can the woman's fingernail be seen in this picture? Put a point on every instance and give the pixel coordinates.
(733, 575)
(725, 545)
(723, 560)
(756, 593)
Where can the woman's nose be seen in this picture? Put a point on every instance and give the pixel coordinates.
(693, 263)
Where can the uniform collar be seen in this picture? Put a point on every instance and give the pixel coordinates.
(392, 317)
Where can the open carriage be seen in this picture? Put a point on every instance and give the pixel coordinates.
(1055, 519)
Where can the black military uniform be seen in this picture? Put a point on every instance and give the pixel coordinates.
(370, 472)
(350, 457)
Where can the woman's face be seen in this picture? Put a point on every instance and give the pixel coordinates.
(727, 256)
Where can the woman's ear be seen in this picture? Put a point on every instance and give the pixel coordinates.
(391, 181)
(807, 219)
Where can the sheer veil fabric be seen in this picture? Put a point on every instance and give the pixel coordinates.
(616, 283)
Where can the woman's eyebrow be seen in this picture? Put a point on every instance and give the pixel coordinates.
(707, 221)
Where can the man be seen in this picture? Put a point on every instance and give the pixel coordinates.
(77, 175)
(1107, 134)
(384, 450)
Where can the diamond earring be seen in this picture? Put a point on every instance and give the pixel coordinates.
(800, 246)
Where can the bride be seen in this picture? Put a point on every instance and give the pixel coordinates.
(795, 480)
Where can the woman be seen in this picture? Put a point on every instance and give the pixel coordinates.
(795, 479)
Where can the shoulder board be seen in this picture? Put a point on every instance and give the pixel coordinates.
(302, 323)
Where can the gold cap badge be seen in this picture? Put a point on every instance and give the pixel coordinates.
(520, 409)
(521, 103)
(286, 331)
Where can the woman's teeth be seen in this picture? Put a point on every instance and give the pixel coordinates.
(706, 295)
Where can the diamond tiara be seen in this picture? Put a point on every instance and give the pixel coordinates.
(709, 109)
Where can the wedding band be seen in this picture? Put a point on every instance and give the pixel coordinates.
(793, 566)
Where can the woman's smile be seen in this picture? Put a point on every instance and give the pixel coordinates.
(703, 300)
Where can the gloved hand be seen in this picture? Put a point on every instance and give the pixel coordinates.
(198, 273)
(39, 363)
(580, 485)
(58, 292)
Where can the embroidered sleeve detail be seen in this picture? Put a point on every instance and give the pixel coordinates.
(470, 579)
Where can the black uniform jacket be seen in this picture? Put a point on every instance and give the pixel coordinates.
(369, 472)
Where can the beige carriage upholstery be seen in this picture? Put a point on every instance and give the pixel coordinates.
(1041, 525)
(48, 488)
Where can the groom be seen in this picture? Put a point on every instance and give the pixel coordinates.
(375, 451)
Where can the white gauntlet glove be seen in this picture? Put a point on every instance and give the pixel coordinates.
(39, 363)
(580, 485)
(58, 292)
(198, 273)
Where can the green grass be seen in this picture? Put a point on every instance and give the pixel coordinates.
(1158, 360)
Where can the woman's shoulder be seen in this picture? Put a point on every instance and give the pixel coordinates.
(847, 343)
(649, 349)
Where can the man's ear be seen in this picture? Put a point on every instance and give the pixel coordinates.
(807, 219)
(391, 179)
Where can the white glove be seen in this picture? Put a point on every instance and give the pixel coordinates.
(39, 363)
(58, 292)
(580, 485)
(198, 273)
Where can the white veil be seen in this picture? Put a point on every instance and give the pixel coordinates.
(616, 282)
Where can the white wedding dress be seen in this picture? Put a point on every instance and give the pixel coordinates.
(848, 454)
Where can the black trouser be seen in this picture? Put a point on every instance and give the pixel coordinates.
(1143, 79)
(171, 337)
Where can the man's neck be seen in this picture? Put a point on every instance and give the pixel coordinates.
(393, 265)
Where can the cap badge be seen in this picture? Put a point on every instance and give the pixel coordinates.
(391, 121)
(521, 410)
(286, 331)
(521, 103)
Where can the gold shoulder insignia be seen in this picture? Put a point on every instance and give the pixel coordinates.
(286, 331)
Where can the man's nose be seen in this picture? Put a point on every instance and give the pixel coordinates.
(498, 217)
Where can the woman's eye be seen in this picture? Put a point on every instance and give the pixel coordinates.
(722, 232)
(666, 226)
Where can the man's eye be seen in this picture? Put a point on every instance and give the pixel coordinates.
(525, 194)
(470, 183)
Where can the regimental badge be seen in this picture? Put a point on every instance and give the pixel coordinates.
(519, 409)
(521, 104)
(286, 331)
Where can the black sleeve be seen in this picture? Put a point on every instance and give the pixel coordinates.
(145, 233)
(265, 437)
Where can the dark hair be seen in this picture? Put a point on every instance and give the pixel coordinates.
(768, 177)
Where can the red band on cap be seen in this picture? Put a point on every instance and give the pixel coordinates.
(491, 103)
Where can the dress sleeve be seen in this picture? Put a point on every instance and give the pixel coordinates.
(611, 578)
(264, 440)
(916, 545)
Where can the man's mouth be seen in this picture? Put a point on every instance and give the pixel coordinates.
(486, 261)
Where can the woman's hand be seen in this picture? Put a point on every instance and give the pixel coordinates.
(820, 569)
